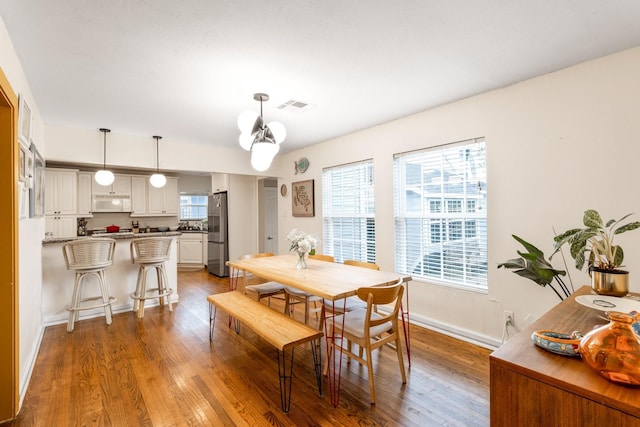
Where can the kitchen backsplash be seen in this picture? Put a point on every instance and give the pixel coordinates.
(123, 220)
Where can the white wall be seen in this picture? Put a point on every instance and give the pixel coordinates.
(31, 230)
(84, 146)
(243, 215)
(556, 145)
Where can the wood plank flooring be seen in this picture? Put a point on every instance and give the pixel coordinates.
(163, 371)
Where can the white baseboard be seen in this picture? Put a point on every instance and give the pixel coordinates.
(30, 363)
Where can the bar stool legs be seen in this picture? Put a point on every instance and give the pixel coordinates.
(140, 295)
(76, 298)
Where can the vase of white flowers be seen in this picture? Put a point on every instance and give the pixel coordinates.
(302, 244)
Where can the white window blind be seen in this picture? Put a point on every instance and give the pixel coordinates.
(440, 201)
(193, 206)
(348, 212)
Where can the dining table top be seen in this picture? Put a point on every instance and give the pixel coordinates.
(329, 280)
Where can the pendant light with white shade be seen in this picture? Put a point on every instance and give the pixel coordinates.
(104, 176)
(158, 180)
(262, 140)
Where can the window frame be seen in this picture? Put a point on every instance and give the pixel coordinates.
(457, 256)
(192, 205)
(352, 201)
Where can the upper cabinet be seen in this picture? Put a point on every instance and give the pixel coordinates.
(84, 193)
(121, 186)
(165, 200)
(62, 192)
(139, 195)
(219, 182)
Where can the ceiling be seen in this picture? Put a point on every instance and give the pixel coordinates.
(186, 69)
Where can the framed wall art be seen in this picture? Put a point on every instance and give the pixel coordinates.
(24, 122)
(36, 192)
(302, 201)
(24, 162)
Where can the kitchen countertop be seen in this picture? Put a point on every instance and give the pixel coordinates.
(119, 236)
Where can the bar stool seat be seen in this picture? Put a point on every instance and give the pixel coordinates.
(151, 252)
(89, 256)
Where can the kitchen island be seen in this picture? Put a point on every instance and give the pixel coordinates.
(57, 281)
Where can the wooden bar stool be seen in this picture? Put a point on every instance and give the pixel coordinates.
(151, 252)
(89, 256)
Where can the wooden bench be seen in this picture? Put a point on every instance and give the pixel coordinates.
(277, 329)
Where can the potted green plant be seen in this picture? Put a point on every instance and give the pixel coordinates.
(533, 266)
(594, 245)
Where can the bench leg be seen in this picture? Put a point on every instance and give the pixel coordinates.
(286, 376)
(212, 319)
(316, 350)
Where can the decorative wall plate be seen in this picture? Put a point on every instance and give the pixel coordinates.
(301, 165)
(283, 190)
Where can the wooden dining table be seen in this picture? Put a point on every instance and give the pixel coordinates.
(330, 281)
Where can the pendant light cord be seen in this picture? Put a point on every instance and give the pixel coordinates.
(104, 147)
(157, 155)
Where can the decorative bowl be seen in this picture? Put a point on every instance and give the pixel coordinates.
(559, 343)
(162, 229)
(173, 228)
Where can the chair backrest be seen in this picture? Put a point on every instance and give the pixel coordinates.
(258, 255)
(150, 249)
(321, 257)
(249, 256)
(362, 264)
(382, 295)
(89, 253)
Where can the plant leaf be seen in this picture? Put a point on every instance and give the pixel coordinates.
(513, 263)
(627, 227)
(618, 256)
(528, 246)
(592, 219)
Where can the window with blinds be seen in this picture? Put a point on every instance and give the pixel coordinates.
(440, 202)
(193, 206)
(348, 212)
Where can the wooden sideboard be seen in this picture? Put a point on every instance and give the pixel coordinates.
(533, 387)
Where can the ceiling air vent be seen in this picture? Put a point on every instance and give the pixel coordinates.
(296, 106)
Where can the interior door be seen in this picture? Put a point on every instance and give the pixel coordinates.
(271, 219)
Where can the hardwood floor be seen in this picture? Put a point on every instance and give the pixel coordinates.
(163, 371)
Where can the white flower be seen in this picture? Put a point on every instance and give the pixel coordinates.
(301, 242)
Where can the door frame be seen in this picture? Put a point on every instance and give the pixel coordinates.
(9, 320)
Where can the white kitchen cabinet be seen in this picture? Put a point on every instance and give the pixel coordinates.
(190, 248)
(61, 189)
(121, 186)
(84, 193)
(139, 195)
(219, 182)
(165, 200)
(59, 226)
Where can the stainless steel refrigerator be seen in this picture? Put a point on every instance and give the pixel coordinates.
(218, 243)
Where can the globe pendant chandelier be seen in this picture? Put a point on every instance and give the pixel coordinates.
(263, 140)
(158, 180)
(104, 176)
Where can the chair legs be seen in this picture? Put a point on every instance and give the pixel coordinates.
(140, 295)
(77, 299)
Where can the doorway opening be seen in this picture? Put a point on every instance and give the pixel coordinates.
(9, 392)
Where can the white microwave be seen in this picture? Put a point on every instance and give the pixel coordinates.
(111, 203)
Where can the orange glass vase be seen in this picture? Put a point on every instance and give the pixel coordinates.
(613, 350)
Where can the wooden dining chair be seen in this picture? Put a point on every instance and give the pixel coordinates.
(370, 330)
(351, 303)
(262, 290)
(294, 295)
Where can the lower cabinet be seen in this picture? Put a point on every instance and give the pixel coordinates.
(60, 226)
(190, 248)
